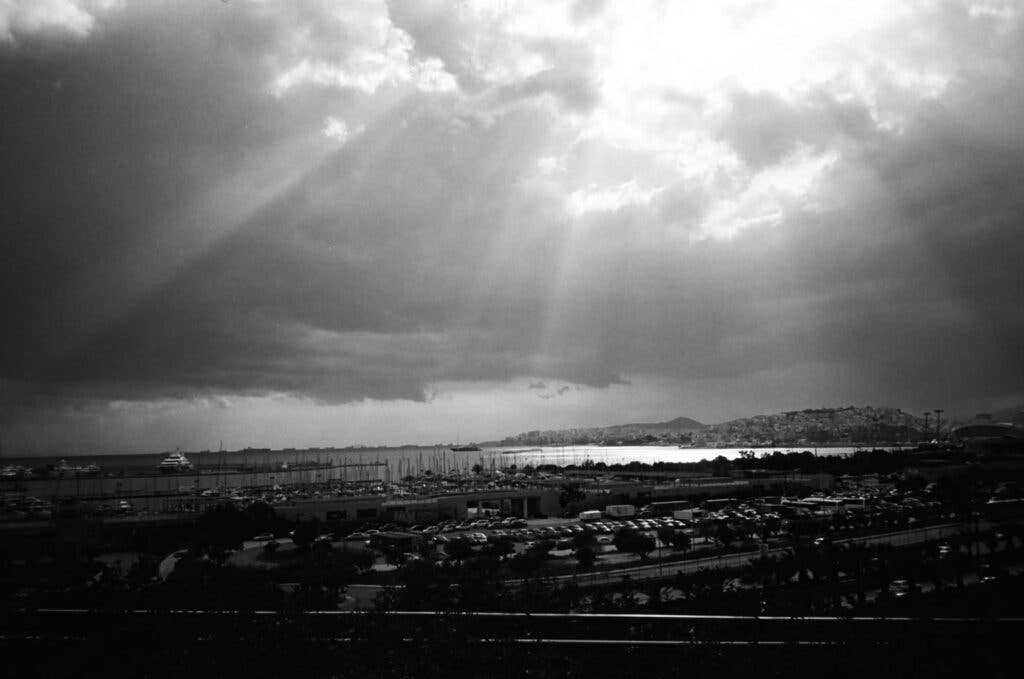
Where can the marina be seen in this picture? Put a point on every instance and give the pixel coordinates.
(188, 482)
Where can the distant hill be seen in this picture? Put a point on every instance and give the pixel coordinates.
(850, 424)
(676, 430)
(678, 424)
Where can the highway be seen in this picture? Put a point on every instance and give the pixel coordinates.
(363, 596)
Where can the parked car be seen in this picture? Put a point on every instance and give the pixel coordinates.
(989, 573)
(900, 588)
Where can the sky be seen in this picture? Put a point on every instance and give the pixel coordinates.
(309, 223)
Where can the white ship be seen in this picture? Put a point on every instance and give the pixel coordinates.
(175, 462)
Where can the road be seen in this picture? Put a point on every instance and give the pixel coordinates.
(661, 570)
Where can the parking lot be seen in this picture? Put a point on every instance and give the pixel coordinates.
(524, 534)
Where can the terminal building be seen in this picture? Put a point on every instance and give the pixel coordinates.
(525, 503)
(994, 439)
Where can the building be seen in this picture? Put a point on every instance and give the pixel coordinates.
(525, 502)
(991, 438)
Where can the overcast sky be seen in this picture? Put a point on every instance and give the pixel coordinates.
(309, 223)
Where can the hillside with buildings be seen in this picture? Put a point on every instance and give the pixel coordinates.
(678, 430)
(813, 426)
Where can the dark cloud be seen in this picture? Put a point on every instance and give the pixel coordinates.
(172, 229)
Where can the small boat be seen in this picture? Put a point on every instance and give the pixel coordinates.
(175, 462)
(11, 472)
(464, 449)
(64, 469)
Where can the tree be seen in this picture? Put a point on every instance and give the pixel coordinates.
(459, 550)
(305, 533)
(500, 548)
(219, 530)
(681, 541)
(725, 534)
(769, 527)
(261, 516)
(720, 466)
(541, 548)
(762, 568)
(586, 539)
(523, 565)
(665, 534)
(427, 549)
(800, 558)
(569, 494)
(634, 542)
(857, 558)
(420, 581)
(394, 556)
(643, 545)
(586, 556)
(477, 468)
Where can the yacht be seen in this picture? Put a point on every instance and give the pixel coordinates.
(175, 462)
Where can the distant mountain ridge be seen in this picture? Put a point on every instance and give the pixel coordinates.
(678, 429)
(677, 424)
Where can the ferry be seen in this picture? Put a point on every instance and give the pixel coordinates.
(175, 462)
